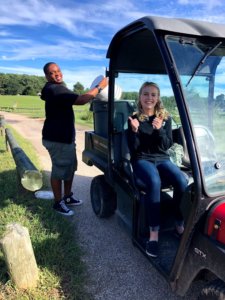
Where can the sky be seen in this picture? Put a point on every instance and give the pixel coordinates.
(76, 34)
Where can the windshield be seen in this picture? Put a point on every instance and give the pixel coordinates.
(201, 67)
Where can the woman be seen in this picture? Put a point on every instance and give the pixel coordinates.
(149, 138)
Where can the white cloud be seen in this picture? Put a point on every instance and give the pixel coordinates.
(210, 4)
(14, 50)
(87, 19)
(34, 13)
(83, 75)
(77, 18)
(4, 33)
(21, 70)
(79, 32)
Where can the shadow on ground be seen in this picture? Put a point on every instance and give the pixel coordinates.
(55, 243)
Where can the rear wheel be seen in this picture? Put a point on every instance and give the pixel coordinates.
(215, 290)
(103, 197)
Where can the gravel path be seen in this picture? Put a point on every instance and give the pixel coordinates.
(117, 270)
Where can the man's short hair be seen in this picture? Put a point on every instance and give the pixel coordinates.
(45, 68)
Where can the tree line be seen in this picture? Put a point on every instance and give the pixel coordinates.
(17, 84)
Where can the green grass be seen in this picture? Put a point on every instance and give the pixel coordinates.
(53, 237)
(33, 106)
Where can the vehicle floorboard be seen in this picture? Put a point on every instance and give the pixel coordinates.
(168, 245)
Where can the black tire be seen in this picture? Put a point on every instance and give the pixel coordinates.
(215, 290)
(103, 197)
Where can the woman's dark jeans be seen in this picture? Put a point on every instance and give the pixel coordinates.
(153, 175)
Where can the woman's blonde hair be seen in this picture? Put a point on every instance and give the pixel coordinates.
(160, 111)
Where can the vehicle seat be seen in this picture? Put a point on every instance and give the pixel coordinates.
(122, 110)
(127, 166)
(178, 138)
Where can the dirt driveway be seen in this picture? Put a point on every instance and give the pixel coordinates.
(117, 270)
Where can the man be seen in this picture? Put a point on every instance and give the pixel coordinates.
(58, 134)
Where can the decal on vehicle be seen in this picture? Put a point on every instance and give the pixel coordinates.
(200, 252)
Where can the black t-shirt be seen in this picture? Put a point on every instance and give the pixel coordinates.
(149, 143)
(59, 122)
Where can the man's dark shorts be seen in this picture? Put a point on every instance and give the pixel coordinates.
(64, 159)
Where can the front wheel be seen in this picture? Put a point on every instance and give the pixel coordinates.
(103, 197)
(215, 290)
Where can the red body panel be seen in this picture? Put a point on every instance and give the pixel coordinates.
(216, 223)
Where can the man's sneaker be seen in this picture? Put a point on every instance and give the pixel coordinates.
(62, 209)
(70, 200)
(152, 248)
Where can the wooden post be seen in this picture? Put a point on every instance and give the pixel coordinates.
(19, 256)
(31, 178)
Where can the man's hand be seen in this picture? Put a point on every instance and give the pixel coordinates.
(87, 97)
(103, 83)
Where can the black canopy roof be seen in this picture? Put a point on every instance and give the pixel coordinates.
(135, 47)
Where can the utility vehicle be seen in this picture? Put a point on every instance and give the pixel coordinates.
(186, 58)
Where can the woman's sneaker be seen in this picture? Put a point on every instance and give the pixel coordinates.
(70, 200)
(152, 248)
(62, 209)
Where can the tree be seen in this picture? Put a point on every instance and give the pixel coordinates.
(130, 96)
(78, 88)
(13, 84)
(220, 100)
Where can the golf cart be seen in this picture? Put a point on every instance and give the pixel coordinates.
(186, 58)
